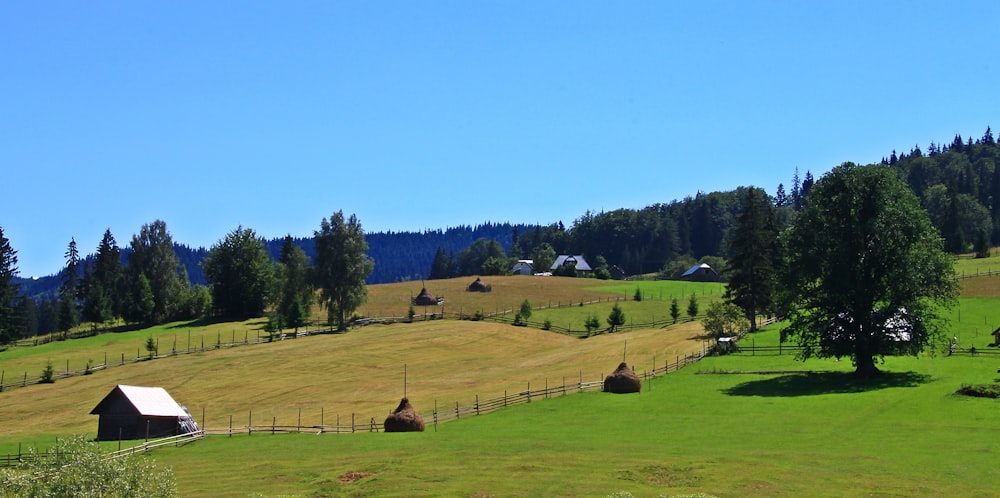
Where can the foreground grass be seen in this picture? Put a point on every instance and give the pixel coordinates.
(727, 435)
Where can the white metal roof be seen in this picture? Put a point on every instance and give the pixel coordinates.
(152, 401)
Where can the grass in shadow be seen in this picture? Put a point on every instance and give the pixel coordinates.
(811, 384)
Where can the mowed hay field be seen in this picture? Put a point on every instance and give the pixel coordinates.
(321, 378)
(703, 429)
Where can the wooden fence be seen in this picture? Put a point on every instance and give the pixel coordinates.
(443, 413)
(13, 459)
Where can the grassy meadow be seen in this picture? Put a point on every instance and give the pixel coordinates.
(707, 428)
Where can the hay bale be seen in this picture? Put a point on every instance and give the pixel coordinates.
(404, 419)
(622, 381)
(479, 286)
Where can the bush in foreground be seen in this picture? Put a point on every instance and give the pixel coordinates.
(77, 467)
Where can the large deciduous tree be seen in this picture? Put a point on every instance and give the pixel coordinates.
(153, 255)
(865, 271)
(8, 290)
(341, 266)
(754, 247)
(239, 274)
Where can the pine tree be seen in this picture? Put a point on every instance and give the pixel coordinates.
(692, 307)
(109, 273)
(754, 248)
(796, 190)
(616, 318)
(675, 310)
(297, 291)
(443, 265)
(68, 315)
(8, 291)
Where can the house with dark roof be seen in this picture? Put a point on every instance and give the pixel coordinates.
(701, 273)
(134, 412)
(583, 268)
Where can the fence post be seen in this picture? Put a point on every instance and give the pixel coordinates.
(529, 392)
(457, 414)
(250, 423)
(230, 426)
(274, 421)
(435, 415)
(477, 404)
(352, 422)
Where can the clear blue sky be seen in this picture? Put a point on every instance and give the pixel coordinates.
(422, 115)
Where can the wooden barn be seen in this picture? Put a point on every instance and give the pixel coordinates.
(132, 412)
(701, 273)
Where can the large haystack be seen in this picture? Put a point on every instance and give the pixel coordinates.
(404, 419)
(622, 381)
(425, 298)
(479, 286)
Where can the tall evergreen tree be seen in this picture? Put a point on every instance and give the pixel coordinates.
(109, 273)
(443, 265)
(297, 290)
(68, 313)
(754, 252)
(240, 274)
(796, 190)
(153, 255)
(341, 266)
(8, 291)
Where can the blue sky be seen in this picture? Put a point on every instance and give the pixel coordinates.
(423, 115)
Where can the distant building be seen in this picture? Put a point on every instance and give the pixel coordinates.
(133, 412)
(701, 273)
(582, 266)
(617, 273)
(523, 267)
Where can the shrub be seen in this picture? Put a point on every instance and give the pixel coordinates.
(519, 320)
(980, 391)
(48, 374)
(77, 467)
(547, 325)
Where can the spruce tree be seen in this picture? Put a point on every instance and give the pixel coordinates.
(754, 248)
(8, 291)
(297, 290)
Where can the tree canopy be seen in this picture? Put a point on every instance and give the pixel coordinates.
(240, 274)
(865, 271)
(341, 266)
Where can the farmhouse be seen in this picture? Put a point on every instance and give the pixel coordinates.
(701, 273)
(132, 412)
(523, 267)
(582, 267)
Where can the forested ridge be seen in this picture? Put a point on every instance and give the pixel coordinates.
(957, 182)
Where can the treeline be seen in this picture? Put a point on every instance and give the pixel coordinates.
(957, 183)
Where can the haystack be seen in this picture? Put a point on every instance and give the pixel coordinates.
(404, 419)
(622, 381)
(425, 298)
(479, 286)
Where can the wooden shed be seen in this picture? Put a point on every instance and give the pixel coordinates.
(133, 412)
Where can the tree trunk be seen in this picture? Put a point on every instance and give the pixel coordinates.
(866, 368)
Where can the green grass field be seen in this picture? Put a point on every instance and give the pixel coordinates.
(727, 435)
(697, 430)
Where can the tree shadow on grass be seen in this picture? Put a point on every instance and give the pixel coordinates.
(811, 384)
